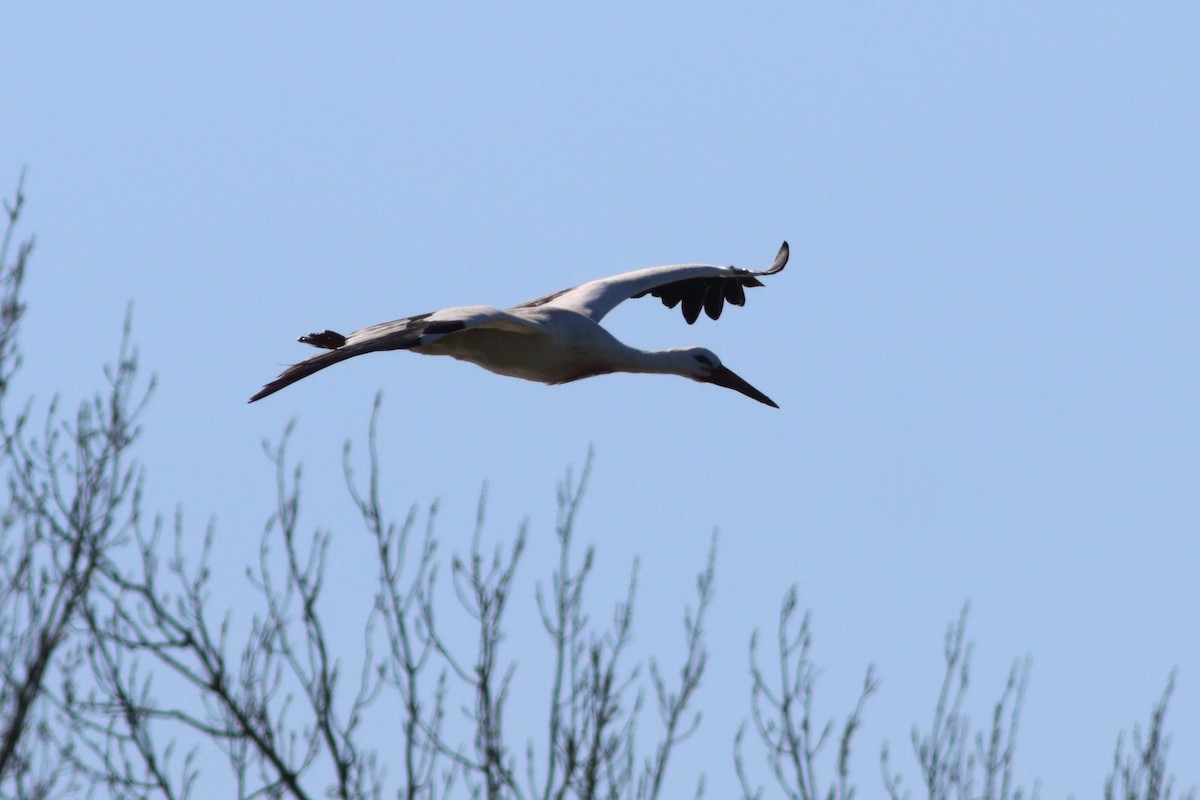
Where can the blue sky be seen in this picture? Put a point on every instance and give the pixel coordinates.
(984, 348)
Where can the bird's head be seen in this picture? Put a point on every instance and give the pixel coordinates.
(703, 365)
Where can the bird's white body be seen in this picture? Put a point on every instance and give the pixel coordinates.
(557, 338)
(546, 344)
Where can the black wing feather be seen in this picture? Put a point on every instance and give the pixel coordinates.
(714, 300)
(692, 302)
(734, 293)
(710, 294)
(400, 334)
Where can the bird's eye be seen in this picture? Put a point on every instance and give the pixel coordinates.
(705, 360)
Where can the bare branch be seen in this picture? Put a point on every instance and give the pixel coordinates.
(398, 604)
(1141, 773)
(949, 766)
(673, 705)
(782, 716)
(73, 494)
(483, 586)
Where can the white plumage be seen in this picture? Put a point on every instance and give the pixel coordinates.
(558, 338)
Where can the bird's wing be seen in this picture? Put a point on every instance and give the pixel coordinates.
(400, 334)
(697, 286)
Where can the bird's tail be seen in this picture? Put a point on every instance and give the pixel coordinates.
(326, 340)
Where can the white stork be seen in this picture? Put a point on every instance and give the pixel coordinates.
(558, 338)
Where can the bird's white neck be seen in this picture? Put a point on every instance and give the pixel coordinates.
(659, 362)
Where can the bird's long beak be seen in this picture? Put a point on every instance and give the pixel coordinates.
(730, 380)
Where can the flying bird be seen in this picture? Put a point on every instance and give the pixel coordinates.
(558, 338)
